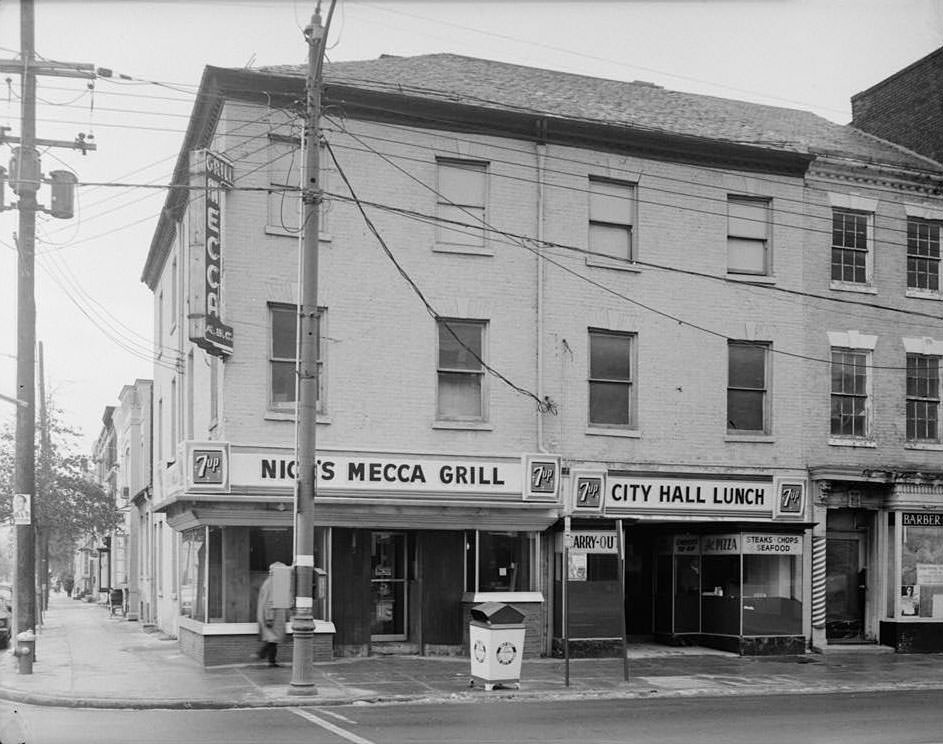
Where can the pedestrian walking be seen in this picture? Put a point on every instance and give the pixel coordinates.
(271, 621)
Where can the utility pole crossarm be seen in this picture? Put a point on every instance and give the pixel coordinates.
(82, 70)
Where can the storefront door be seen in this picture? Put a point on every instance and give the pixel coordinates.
(845, 587)
(388, 582)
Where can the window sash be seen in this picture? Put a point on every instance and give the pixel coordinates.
(747, 218)
(611, 384)
(747, 386)
(283, 382)
(923, 397)
(849, 394)
(923, 254)
(611, 202)
(460, 371)
(850, 246)
(746, 256)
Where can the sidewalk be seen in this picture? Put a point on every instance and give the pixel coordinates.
(87, 658)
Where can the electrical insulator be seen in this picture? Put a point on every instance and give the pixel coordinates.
(63, 194)
(24, 171)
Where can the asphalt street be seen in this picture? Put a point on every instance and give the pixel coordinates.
(909, 717)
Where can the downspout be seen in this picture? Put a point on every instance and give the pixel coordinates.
(541, 157)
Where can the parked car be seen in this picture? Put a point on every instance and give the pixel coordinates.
(6, 614)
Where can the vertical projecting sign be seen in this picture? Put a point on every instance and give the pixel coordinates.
(207, 329)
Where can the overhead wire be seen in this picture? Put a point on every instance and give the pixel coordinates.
(544, 405)
(599, 285)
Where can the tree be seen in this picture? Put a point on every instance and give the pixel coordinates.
(69, 503)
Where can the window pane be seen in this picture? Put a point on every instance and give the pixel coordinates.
(747, 218)
(460, 353)
(610, 356)
(746, 256)
(462, 183)
(921, 554)
(611, 202)
(745, 410)
(283, 382)
(456, 234)
(610, 240)
(747, 366)
(772, 595)
(284, 330)
(609, 403)
(459, 396)
(504, 564)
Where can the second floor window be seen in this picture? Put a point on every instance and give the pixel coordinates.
(611, 379)
(923, 398)
(284, 199)
(747, 235)
(283, 387)
(462, 196)
(851, 240)
(849, 393)
(747, 399)
(460, 370)
(923, 254)
(611, 216)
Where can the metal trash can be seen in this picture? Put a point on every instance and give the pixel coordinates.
(496, 644)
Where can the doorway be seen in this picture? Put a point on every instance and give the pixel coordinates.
(846, 586)
(388, 586)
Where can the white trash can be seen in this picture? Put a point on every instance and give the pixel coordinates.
(496, 644)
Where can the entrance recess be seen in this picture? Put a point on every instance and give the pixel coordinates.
(845, 587)
(388, 582)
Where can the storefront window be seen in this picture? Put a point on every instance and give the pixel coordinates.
(192, 564)
(772, 595)
(720, 593)
(921, 574)
(498, 561)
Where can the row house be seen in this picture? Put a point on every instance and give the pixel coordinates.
(587, 319)
(132, 422)
(102, 558)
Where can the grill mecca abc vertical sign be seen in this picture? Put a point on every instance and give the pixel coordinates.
(207, 329)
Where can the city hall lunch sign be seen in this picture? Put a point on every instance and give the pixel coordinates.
(629, 494)
(531, 477)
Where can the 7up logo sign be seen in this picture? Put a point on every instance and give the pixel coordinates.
(588, 493)
(208, 467)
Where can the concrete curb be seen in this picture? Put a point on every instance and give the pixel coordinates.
(495, 696)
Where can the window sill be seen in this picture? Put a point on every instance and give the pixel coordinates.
(923, 294)
(848, 287)
(290, 416)
(751, 278)
(592, 431)
(324, 237)
(462, 250)
(756, 438)
(466, 425)
(623, 264)
(928, 446)
(837, 442)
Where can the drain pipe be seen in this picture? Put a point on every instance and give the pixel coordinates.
(541, 157)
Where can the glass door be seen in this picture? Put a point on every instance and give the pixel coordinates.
(388, 582)
(845, 587)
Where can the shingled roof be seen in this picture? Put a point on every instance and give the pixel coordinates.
(503, 86)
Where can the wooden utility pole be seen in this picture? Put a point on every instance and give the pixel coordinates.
(26, 178)
(302, 671)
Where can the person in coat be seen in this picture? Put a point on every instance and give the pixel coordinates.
(271, 621)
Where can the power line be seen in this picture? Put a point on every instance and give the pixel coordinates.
(524, 243)
(543, 405)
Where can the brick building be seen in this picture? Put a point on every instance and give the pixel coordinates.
(671, 282)
(907, 107)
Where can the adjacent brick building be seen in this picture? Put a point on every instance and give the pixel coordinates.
(640, 309)
(907, 107)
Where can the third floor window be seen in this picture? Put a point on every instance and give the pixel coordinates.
(923, 254)
(851, 247)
